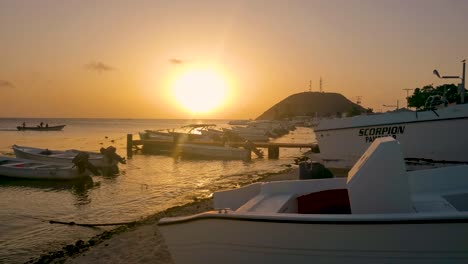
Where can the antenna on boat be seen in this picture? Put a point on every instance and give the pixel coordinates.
(461, 86)
(463, 80)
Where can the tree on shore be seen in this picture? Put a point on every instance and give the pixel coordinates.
(420, 95)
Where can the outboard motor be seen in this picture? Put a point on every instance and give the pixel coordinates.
(112, 158)
(81, 161)
(111, 155)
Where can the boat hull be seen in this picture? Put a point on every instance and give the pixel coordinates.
(213, 152)
(392, 216)
(291, 239)
(60, 157)
(424, 136)
(27, 169)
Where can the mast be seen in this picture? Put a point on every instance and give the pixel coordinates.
(462, 95)
(461, 86)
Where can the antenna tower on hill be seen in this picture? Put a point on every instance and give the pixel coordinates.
(407, 95)
(321, 84)
(407, 91)
(358, 100)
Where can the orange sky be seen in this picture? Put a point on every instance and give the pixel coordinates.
(116, 58)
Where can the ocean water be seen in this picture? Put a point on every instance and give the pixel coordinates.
(147, 184)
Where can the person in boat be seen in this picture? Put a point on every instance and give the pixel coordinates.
(24, 124)
(47, 125)
(42, 124)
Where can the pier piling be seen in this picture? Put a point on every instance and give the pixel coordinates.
(129, 146)
(273, 152)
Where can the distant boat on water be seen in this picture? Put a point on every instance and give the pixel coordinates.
(41, 128)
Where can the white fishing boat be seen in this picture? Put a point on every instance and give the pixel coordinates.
(187, 133)
(380, 213)
(29, 169)
(246, 133)
(156, 135)
(206, 151)
(107, 159)
(435, 135)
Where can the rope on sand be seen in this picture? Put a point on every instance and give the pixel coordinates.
(73, 223)
(91, 225)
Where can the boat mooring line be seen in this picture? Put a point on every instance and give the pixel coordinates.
(91, 225)
(74, 223)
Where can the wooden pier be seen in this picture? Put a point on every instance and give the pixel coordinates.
(273, 147)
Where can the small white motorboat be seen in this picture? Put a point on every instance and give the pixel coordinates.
(380, 213)
(205, 151)
(156, 135)
(104, 160)
(29, 169)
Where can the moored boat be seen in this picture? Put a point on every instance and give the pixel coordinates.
(423, 135)
(29, 169)
(204, 151)
(433, 136)
(380, 213)
(107, 160)
(187, 133)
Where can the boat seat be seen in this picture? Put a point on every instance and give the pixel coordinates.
(334, 201)
(262, 203)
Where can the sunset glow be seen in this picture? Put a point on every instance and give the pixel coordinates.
(200, 91)
(196, 58)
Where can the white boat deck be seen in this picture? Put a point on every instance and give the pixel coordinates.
(287, 203)
(277, 203)
(443, 190)
(379, 214)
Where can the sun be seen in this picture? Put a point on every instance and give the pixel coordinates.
(200, 91)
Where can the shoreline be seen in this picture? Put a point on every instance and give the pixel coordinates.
(141, 241)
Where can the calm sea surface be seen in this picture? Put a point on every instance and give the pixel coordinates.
(146, 185)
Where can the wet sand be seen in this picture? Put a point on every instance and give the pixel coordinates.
(137, 243)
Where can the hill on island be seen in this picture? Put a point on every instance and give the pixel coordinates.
(310, 103)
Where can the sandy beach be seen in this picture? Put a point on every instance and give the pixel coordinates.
(138, 243)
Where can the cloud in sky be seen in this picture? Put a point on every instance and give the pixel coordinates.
(99, 67)
(176, 61)
(6, 84)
